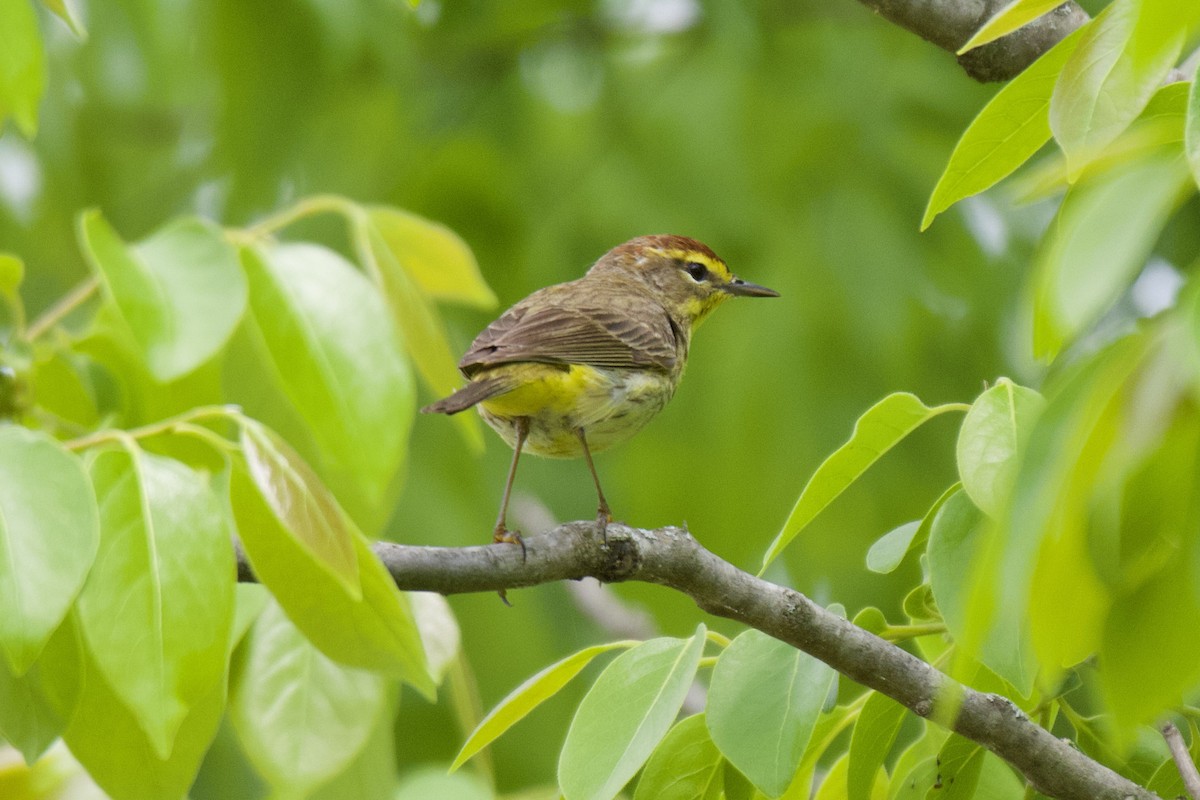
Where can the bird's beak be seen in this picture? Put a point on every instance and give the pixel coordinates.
(740, 288)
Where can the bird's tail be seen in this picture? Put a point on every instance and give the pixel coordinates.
(469, 395)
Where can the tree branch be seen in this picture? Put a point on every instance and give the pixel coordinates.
(671, 557)
(1183, 760)
(950, 23)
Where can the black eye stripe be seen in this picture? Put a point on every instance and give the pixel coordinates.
(697, 270)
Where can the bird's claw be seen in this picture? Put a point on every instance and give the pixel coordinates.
(603, 518)
(503, 535)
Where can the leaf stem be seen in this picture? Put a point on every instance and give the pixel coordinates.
(68, 303)
(899, 633)
(720, 640)
(179, 423)
(309, 206)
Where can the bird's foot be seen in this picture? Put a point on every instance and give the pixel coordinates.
(603, 518)
(502, 535)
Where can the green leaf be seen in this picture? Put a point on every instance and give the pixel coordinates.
(65, 10)
(157, 608)
(117, 753)
(1006, 133)
(424, 331)
(834, 786)
(1191, 141)
(1014, 15)
(35, 708)
(1159, 127)
(686, 765)
(625, 714)
(22, 65)
(1036, 573)
(956, 545)
(12, 272)
(1122, 57)
(436, 257)
(878, 430)
(301, 717)
(874, 734)
(915, 782)
(763, 702)
(372, 773)
(890, 550)
(1098, 243)
(432, 783)
(528, 696)
(303, 507)
(180, 292)
(959, 763)
(369, 629)
(49, 533)
(335, 352)
(439, 631)
(990, 442)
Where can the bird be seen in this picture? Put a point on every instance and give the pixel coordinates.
(579, 366)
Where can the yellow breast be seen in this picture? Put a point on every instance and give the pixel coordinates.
(609, 404)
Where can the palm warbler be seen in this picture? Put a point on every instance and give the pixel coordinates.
(579, 366)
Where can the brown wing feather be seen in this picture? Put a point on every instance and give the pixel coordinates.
(554, 327)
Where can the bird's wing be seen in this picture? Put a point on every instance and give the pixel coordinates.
(638, 334)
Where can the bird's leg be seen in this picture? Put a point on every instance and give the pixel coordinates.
(501, 533)
(603, 514)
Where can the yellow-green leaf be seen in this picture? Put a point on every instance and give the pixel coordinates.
(877, 431)
(1006, 133)
(436, 257)
(528, 696)
(1014, 15)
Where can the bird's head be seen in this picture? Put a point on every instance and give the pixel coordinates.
(686, 276)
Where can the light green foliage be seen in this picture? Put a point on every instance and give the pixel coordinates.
(686, 765)
(1119, 63)
(437, 258)
(1007, 132)
(158, 604)
(528, 696)
(1098, 243)
(993, 434)
(1007, 20)
(543, 134)
(369, 626)
(22, 65)
(48, 538)
(331, 345)
(378, 240)
(179, 292)
(304, 508)
(763, 703)
(120, 756)
(1192, 128)
(877, 431)
(890, 550)
(301, 717)
(874, 734)
(624, 716)
(35, 707)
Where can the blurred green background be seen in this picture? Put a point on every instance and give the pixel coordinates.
(799, 140)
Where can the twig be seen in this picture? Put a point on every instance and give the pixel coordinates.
(1183, 760)
(68, 303)
(671, 557)
(950, 23)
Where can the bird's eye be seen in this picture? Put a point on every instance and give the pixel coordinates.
(697, 271)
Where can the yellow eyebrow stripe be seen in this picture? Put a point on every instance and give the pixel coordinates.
(715, 266)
